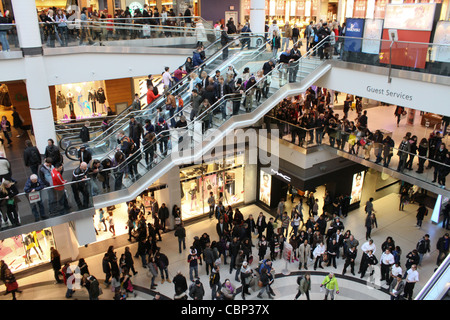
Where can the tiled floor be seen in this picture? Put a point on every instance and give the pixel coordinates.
(391, 222)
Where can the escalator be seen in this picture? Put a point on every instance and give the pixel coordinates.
(68, 132)
(103, 143)
(206, 130)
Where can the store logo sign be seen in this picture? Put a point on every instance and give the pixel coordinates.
(283, 176)
(354, 28)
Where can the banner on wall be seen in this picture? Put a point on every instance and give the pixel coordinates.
(359, 10)
(280, 8)
(380, 8)
(441, 36)
(417, 16)
(373, 29)
(355, 28)
(315, 8)
(300, 8)
(246, 7)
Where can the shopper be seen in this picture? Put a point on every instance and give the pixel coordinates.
(11, 284)
(153, 269)
(180, 283)
(180, 233)
(8, 191)
(423, 247)
(264, 284)
(129, 263)
(32, 157)
(162, 262)
(33, 187)
(331, 286)
(350, 258)
(421, 213)
(6, 128)
(246, 277)
(55, 260)
(386, 261)
(304, 286)
(396, 287)
(411, 279)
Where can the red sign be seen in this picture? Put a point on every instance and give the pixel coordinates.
(315, 8)
(246, 7)
(380, 8)
(300, 10)
(280, 9)
(359, 10)
(406, 53)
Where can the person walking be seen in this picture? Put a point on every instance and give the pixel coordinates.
(106, 266)
(264, 284)
(421, 213)
(246, 277)
(153, 268)
(180, 233)
(162, 262)
(442, 246)
(55, 260)
(331, 286)
(192, 259)
(180, 284)
(304, 286)
(32, 157)
(423, 247)
(129, 263)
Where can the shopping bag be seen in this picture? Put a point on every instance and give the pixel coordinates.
(34, 197)
(229, 107)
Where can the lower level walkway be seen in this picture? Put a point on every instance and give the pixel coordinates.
(400, 225)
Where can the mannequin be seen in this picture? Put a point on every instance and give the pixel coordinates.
(70, 98)
(92, 98)
(61, 100)
(101, 98)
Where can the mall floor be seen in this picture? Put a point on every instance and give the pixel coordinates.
(391, 222)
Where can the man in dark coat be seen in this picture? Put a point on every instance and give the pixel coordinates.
(84, 133)
(163, 215)
(32, 157)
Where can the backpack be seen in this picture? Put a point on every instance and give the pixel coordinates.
(35, 158)
(299, 279)
(132, 145)
(212, 278)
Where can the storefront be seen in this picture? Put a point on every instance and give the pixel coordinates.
(225, 181)
(275, 185)
(86, 100)
(27, 250)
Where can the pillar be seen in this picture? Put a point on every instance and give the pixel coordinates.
(159, 5)
(85, 230)
(36, 84)
(172, 194)
(340, 17)
(257, 16)
(323, 10)
(110, 5)
(65, 241)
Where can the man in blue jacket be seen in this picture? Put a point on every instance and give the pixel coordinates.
(34, 185)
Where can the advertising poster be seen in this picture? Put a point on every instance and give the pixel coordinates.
(380, 8)
(265, 187)
(441, 36)
(300, 8)
(410, 16)
(358, 181)
(279, 10)
(355, 28)
(315, 8)
(373, 29)
(359, 10)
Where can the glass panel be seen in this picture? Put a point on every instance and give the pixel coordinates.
(9, 40)
(37, 204)
(403, 55)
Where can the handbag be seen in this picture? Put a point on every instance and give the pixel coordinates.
(260, 284)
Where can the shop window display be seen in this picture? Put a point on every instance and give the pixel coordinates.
(27, 250)
(81, 100)
(225, 181)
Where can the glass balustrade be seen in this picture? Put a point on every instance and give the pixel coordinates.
(412, 56)
(41, 204)
(9, 41)
(360, 144)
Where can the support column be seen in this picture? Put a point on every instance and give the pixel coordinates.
(257, 18)
(172, 194)
(66, 242)
(36, 76)
(110, 5)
